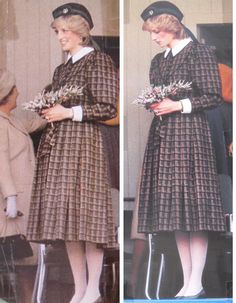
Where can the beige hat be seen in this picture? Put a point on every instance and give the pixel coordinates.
(7, 81)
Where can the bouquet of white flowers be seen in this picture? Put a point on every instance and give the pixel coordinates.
(48, 99)
(154, 94)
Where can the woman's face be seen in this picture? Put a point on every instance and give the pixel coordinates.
(70, 41)
(162, 38)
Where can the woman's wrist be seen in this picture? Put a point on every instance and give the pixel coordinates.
(69, 113)
(179, 106)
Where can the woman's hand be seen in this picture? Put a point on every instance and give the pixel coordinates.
(57, 113)
(166, 106)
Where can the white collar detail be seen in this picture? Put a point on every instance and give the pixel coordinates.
(80, 54)
(178, 47)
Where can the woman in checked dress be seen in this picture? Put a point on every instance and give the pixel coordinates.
(179, 191)
(71, 198)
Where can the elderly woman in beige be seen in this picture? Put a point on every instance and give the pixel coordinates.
(16, 174)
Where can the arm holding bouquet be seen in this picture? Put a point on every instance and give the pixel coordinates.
(166, 106)
(48, 103)
(158, 98)
(57, 113)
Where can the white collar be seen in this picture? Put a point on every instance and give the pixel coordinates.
(178, 48)
(80, 54)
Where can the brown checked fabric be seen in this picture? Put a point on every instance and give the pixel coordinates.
(71, 197)
(179, 187)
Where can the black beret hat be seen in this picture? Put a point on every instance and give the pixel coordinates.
(161, 7)
(73, 9)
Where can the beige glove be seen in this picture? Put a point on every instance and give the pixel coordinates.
(11, 210)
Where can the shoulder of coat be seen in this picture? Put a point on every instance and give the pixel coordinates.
(201, 49)
(158, 57)
(98, 55)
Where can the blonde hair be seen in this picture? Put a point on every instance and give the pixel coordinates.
(167, 23)
(76, 24)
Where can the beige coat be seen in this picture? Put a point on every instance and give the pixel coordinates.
(16, 171)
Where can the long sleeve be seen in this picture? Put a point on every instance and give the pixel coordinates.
(116, 119)
(7, 184)
(102, 87)
(205, 78)
(34, 124)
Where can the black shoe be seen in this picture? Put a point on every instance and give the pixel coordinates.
(200, 295)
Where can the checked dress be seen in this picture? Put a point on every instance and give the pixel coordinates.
(71, 197)
(179, 187)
